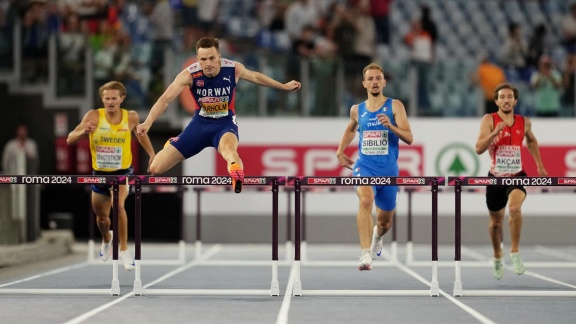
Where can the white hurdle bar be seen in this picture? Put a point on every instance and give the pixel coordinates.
(67, 180)
(298, 182)
(458, 182)
(274, 290)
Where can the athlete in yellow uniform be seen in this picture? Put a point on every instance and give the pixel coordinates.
(109, 130)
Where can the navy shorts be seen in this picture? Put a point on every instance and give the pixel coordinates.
(104, 189)
(203, 132)
(497, 196)
(384, 196)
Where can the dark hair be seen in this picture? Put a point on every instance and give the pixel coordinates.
(512, 27)
(506, 86)
(207, 42)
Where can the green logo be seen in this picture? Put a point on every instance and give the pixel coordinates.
(457, 159)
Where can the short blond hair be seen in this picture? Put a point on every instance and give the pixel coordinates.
(372, 66)
(113, 85)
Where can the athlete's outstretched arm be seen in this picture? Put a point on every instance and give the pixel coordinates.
(144, 140)
(261, 79)
(182, 80)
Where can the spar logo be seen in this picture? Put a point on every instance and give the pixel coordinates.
(567, 181)
(91, 180)
(326, 181)
(480, 181)
(162, 180)
(254, 181)
(8, 180)
(411, 181)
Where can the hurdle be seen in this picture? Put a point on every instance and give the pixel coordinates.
(116, 181)
(274, 182)
(458, 183)
(198, 190)
(298, 182)
(181, 256)
(392, 256)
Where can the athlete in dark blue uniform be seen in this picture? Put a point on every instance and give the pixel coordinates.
(381, 123)
(211, 81)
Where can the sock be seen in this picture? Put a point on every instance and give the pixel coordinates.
(365, 251)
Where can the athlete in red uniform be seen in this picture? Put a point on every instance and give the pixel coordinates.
(502, 133)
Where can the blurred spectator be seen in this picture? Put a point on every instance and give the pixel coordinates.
(547, 85)
(488, 76)
(190, 23)
(92, 12)
(364, 45)
(161, 18)
(514, 52)
(103, 64)
(421, 58)
(20, 154)
(208, 16)
(5, 35)
(304, 44)
(569, 82)
(72, 42)
(537, 46)
(428, 25)
(299, 14)
(569, 29)
(35, 33)
(380, 10)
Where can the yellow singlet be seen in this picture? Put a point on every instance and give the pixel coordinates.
(110, 145)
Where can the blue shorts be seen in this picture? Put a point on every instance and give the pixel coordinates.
(384, 196)
(203, 132)
(104, 189)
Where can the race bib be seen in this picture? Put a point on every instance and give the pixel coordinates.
(109, 157)
(214, 107)
(375, 142)
(508, 159)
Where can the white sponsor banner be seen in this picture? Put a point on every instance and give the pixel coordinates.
(442, 147)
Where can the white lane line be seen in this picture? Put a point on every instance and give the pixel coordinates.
(555, 253)
(79, 319)
(474, 255)
(283, 313)
(87, 315)
(481, 318)
(213, 250)
(49, 273)
(545, 278)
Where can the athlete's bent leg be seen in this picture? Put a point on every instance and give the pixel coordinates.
(165, 160)
(228, 149)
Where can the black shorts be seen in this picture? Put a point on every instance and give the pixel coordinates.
(104, 189)
(497, 196)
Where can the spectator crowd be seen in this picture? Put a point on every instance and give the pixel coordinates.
(128, 40)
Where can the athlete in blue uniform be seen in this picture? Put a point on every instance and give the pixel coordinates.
(381, 122)
(212, 83)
